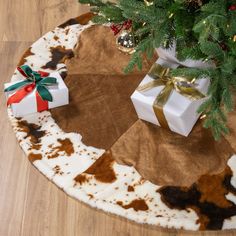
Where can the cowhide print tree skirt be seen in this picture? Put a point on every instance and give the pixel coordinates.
(98, 152)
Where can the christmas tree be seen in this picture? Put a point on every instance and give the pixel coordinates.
(201, 29)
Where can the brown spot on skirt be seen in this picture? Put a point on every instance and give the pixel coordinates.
(102, 169)
(67, 31)
(206, 197)
(32, 130)
(213, 190)
(23, 59)
(85, 18)
(58, 55)
(36, 146)
(137, 205)
(55, 37)
(65, 145)
(130, 188)
(34, 157)
(81, 179)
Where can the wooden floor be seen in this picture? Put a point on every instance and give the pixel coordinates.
(29, 203)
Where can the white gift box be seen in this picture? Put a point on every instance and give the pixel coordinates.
(180, 112)
(168, 57)
(28, 105)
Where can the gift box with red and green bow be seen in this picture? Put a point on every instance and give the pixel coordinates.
(35, 91)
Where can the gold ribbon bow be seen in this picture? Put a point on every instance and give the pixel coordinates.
(161, 77)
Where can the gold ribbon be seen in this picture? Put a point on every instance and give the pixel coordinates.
(161, 77)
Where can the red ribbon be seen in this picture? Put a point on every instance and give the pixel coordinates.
(43, 73)
(20, 94)
(42, 105)
(116, 28)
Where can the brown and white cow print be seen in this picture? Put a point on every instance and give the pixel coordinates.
(93, 175)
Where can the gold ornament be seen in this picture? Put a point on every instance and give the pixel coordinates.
(234, 38)
(126, 42)
(148, 2)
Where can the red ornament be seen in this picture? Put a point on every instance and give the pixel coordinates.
(232, 8)
(116, 28)
(127, 24)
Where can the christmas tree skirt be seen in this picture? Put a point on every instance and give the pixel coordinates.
(98, 152)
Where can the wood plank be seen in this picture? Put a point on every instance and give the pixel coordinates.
(29, 203)
(14, 168)
(20, 20)
(27, 20)
(55, 12)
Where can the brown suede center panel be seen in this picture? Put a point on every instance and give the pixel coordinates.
(100, 108)
(101, 111)
(166, 158)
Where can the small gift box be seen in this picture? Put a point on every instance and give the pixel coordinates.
(170, 102)
(38, 91)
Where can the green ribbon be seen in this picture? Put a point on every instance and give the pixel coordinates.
(39, 79)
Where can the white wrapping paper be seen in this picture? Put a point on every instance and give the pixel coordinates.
(168, 57)
(28, 105)
(180, 112)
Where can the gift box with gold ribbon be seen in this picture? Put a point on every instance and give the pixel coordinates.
(170, 102)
